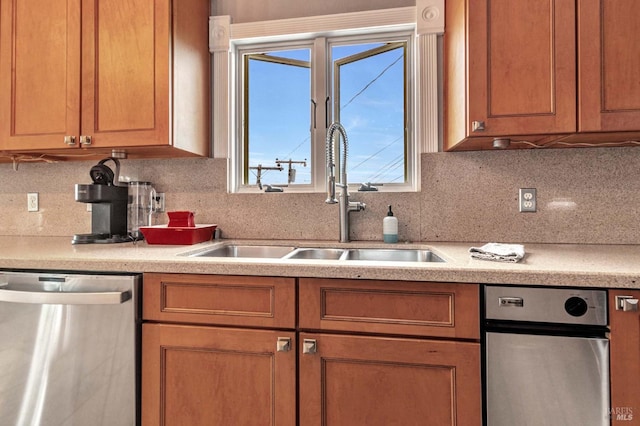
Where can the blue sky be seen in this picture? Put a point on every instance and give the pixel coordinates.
(372, 111)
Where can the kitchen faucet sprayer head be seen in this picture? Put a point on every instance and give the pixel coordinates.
(331, 191)
(330, 147)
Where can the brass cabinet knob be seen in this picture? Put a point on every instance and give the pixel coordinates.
(70, 140)
(85, 140)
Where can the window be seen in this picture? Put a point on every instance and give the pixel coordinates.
(289, 80)
(368, 82)
(370, 92)
(276, 118)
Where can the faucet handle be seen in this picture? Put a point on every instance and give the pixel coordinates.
(356, 206)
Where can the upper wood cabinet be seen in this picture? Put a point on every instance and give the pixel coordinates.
(609, 65)
(510, 71)
(104, 75)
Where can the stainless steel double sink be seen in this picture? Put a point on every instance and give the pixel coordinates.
(319, 253)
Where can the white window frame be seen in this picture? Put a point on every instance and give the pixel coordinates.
(426, 19)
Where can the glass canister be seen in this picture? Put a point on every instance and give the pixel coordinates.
(141, 207)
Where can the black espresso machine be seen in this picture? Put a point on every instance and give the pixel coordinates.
(108, 205)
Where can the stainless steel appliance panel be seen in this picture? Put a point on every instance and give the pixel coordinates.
(68, 349)
(546, 305)
(537, 380)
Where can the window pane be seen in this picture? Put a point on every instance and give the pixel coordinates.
(369, 89)
(277, 115)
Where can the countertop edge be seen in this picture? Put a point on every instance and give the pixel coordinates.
(604, 266)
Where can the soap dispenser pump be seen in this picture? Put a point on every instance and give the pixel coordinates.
(390, 228)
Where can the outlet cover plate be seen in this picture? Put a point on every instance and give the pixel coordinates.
(527, 199)
(32, 201)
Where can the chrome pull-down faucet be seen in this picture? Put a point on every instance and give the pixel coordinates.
(344, 205)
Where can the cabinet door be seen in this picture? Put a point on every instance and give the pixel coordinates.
(609, 65)
(206, 376)
(125, 78)
(519, 77)
(375, 381)
(625, 364)
(39, 73)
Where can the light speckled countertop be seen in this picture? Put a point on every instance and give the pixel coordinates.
(614, 266)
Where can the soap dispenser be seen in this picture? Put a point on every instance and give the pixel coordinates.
(390, 228)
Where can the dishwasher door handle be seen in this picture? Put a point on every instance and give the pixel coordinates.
(65, 298)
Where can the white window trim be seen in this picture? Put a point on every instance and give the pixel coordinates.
(427, 18)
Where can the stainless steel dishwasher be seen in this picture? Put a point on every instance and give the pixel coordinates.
(546, 357)
(68, 349)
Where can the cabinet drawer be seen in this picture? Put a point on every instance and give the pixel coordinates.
(391, 307)
(219, 299)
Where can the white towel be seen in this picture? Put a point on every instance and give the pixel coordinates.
(498, 252)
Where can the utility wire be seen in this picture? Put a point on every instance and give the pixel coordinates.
(390, 166)
(375, 153)
(371, 82)
(289, 155)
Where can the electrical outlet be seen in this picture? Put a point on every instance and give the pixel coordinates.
(528, 200)
(159, 203)
(32, 201)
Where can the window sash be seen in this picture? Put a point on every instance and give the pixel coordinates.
(337, 107)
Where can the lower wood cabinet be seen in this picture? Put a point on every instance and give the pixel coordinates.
(264, 351)
(625, 361)
(381, 381)
(208, 376)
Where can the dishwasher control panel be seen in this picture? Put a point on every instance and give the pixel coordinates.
(550, 305)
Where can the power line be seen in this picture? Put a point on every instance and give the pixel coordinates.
(297, 147)
(371, 82)
(376, 153)
(390, 166)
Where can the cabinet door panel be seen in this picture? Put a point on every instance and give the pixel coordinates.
(522, 66)
(609, 65)
(39, 73)
(220, 299)
(126, 72)
(625, 367)
(391, 307)
(216, 377)
(373, 381)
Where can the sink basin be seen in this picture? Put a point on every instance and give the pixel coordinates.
(260, 252)
(319, 253)
(393, 255)
(316, 253)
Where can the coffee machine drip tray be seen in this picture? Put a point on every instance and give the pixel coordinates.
(99, 239)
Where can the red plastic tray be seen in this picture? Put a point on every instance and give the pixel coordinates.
(163, 234)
